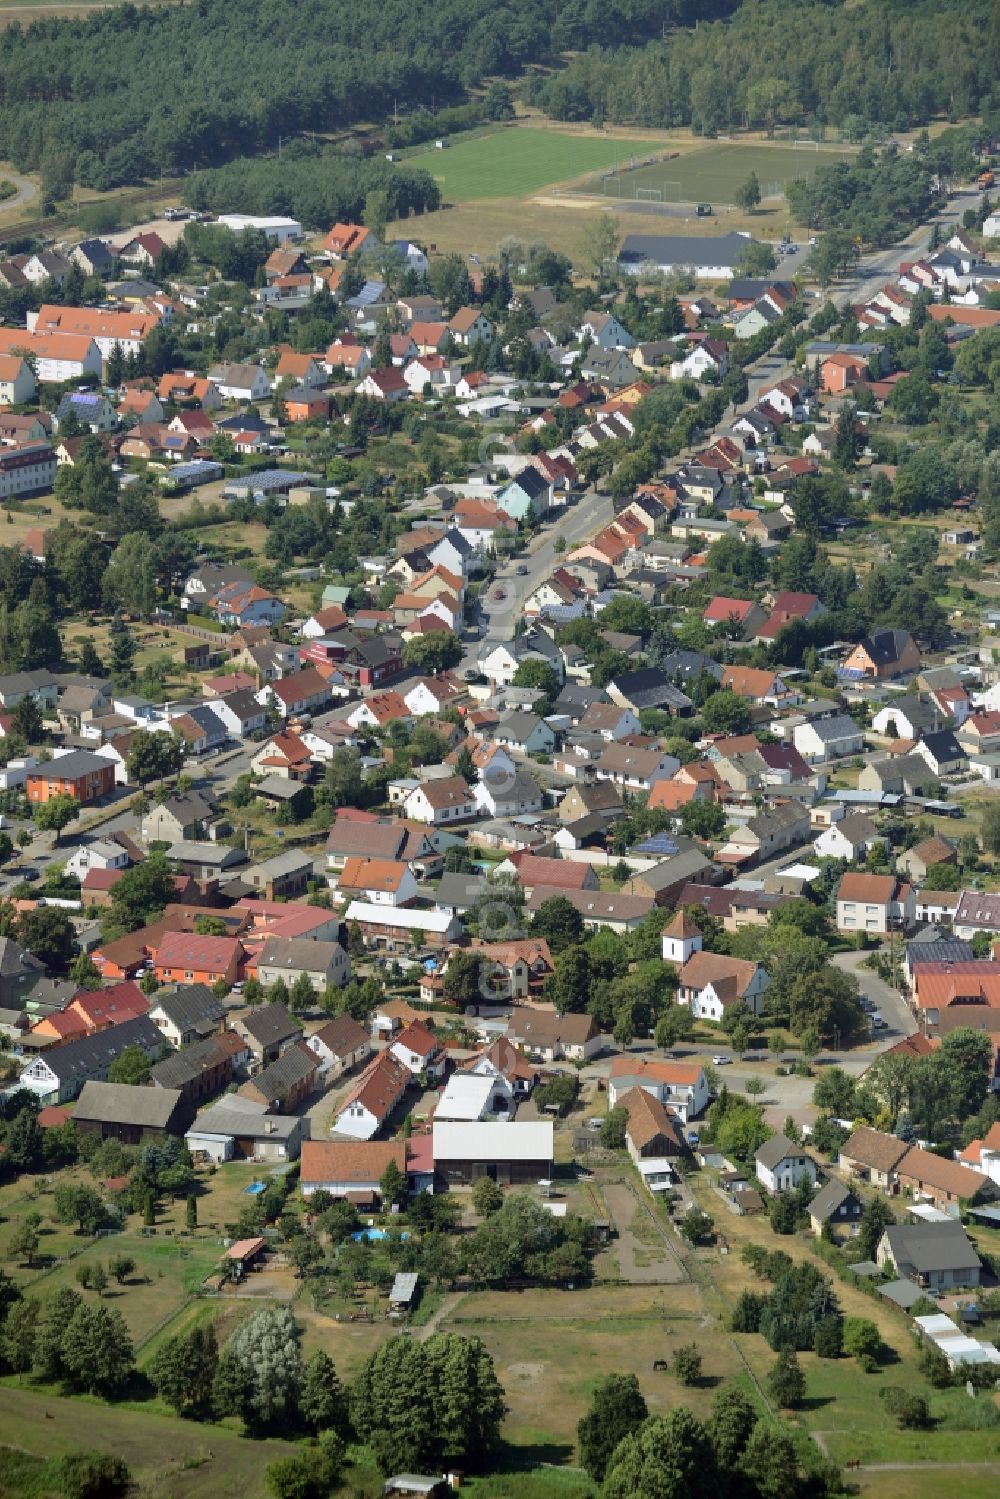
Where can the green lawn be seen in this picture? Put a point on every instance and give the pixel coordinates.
(513, 163)
(172, 1459)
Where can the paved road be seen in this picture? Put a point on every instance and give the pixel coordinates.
(27, 191)
(892, 1006)
(576, 524)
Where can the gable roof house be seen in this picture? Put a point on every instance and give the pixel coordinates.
(635, 769)
(349, 1170)
(873, 903)
(824, 739)
(551, 1037)
(781, 1164)
(203, 1069)
(378, 1090)
(648, 687)
(339, 1045)
(652, 1131)
(849, 839)
(185, 957)
(268, 1030)
(945, 1184)
(286, 1082)
(244, 1129)
(59, 1073)
(943, 753)
(186, 1014)
(709, 983)
(679, 1086)
(872, 1156)
(886, 653)
(767, 833)
(441, 802)
(937, 1256)
(836, 1209)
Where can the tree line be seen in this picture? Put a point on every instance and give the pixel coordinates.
(316, 187)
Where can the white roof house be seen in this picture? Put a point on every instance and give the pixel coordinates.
(399, 916)
(502, 1141)
(471, 1096)
(275, 227)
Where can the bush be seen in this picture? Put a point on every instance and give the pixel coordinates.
(93, 1475)
(310, 1474)
(863, 1341)
(697, 1227)
(911, 1411)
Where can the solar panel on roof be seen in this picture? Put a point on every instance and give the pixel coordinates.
(659, 843)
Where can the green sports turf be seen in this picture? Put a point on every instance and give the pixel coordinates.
(713, 173)
(513, 163)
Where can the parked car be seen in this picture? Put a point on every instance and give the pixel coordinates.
(721, 1061)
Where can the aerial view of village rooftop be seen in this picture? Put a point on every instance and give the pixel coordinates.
(500, 749)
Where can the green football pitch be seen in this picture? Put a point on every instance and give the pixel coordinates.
(515, 163)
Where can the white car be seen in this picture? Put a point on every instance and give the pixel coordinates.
(721, 1061)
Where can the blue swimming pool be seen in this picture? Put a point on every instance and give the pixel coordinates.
(373, 1235)
(255, 1189)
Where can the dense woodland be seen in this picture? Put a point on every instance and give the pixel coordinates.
(129, 93)
(811, 65)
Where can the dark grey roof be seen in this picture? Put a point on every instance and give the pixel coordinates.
(123, 1103)
(886, 646)
(829, 730)
(77, 763)
(931, 1246)
(829, 1198)
(459, 889)
(530, 481)
(648, 688)
(286, 1072)
(15, 960)
(209, 722)
(574, 700)
(693, 250)
(747, 289)
(923, 716)
(942, 950)
(190, 1007)
(775, 1150)
(271, 1024)
(944, 746)
(186, 1066)
(689, 665)
(242, 703)
(77, 1059)
(188, 807)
